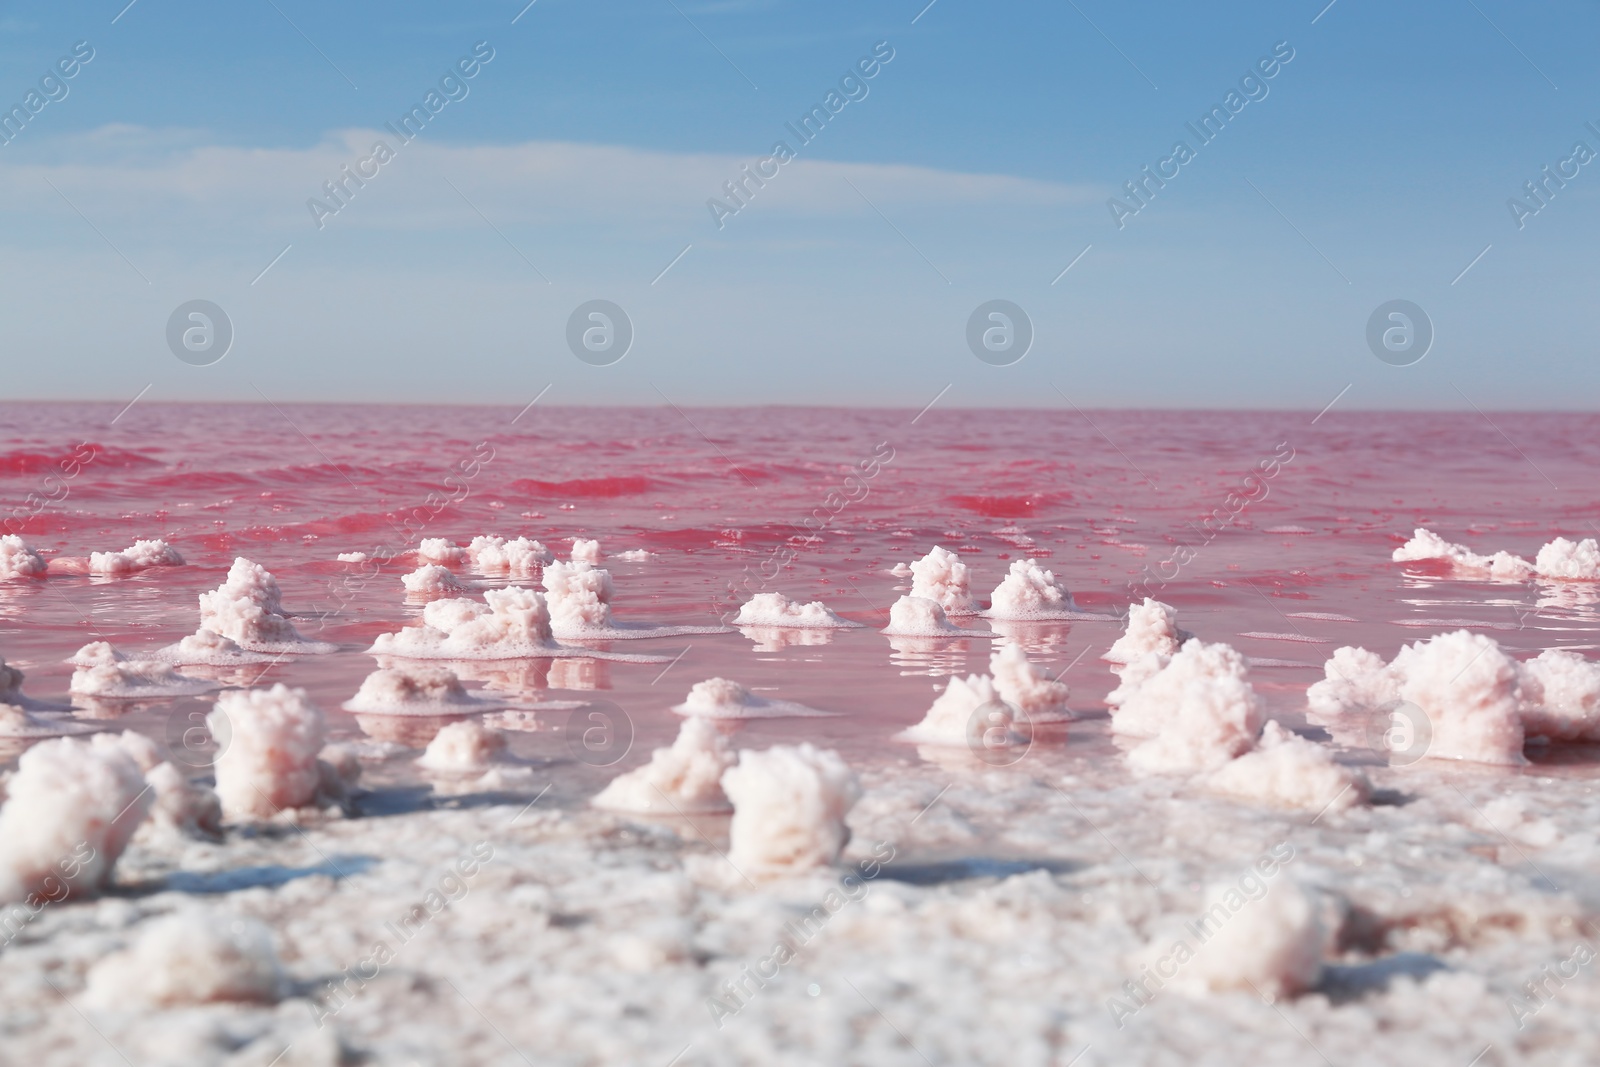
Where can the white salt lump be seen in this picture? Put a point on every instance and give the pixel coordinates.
(683, 779)
(940, 576)
(96, 654)
(775, 609)
(193, 956)
(413, 691)
(1469, 690)
(1427, 545)
(579, 596)
(141, 555)
(721, 698)
(269, 740)
(1569, 560)
(17, 560)
(430, 579)
(247, 609)
(439, 550)
(1561, 697)
(517, 558)
(789, 807)
(1028, 687)
(510, 623)
(1200, 709)
(1288, 771)
(209, 649)
(463, 747)
(1152, 627)
(968, 712)
(913, 616)
(587, 551)
(134, 680)
(16, 722)
(1028, 591)
(1271, 946)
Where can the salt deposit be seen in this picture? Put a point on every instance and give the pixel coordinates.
(1028, 687)
(96, 654)
(141, 555)
(180, 806)
(1569, 560)
(70, 810)
(463, 747)
(1427, 545)
(1354, 680)
(17, 560)
(430, 579)
(683, 779)
(1152, 627)
(268, 740)
(718, 698)
(135, 679)
(1199, 711)
(1288, 771)
(968, 712)
(1560, 697)
(209, 649)
(913, 616)
(775, 609)
(414, 691)
(1468, 689)
(248, 610)
(1268, 945)
(789, 807)
(1028, 591)
(440, 550)
(940, 576)
(517, 558)
(352, 557)
(579, 597)
(17, 723)
(635, 555)
(1134, 674)
(193, 956)
(587, 551)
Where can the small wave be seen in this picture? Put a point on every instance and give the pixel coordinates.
(585, 488)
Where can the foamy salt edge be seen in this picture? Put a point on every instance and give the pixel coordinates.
(776, 609)
(719, 698)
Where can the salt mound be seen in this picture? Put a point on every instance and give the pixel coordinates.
(134, 680)
(210, 649)
(1134, 674)
(1354, 680)
(17, 560)
(193, 956)
(1569, 560)
(463, 747)
(510, 623)
(352, 557)
(519, 558)
(579, 596)
(430, 579)
(940, 576)
(913, 616)
(414, 691)
(269, 742)
(142, 555)
(439, 550)
(1200, 708)
(180, 805)
(96, 654)
(1561, 697)
(968, 712)
(1028, 591)
(789, 806)
(1152, 627)
(248, 609)
(1287, 770)
(1468, 689)
(1028, 687)
(1271, 946)
(587, 551)
(71, 808)
(683, 779)
(718, 698)
(15, 722)
(775, 609)
(1427, 545)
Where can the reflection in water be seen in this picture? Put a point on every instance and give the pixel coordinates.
(778, 638)
(579, 674)
(1036, 638)
(934, 656)
(413, 731)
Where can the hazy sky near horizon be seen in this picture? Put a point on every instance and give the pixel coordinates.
(1376, 163)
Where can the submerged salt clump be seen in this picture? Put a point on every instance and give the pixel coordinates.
(518, 558)
(193, 956)
(135, 679)
(719, 698)
(940, 576)
(1152, 627)
(70, 810)
(209, 649)
(775, 609)
(913, 616)
(1199, 711)
(463, 747)
(1287, 770)
(141, 555)
(248, 610)
(1028, 687)
(413, 691)
(968, 712)
(17, 560)
(1269, 943)
(1569, 560)
(269, 743)
(789, 807)
(683, 779)
(430, 579)
(587, 551)
(510, 623)
(1469, 691)
(440, 550)
(1561, 697)
(1028, 591)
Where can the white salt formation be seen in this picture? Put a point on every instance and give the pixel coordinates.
(1028, 687)
(579, 598)
(1569, 560)
(913, 616)
(1199, 711)
(1271, 946)
(135, 679)
(17, 723)
(96, 654)
(248, 610)
(1354, 680)
(775, 609)
(635, 555)
(940, 576)
(1561, 697)
(269, 742)
(142, 555)
(719, 698)
(414, 691)
(1288, 771)
(1152, 627)
(463, 747)
(1028, 591)
(439, 550)
(193, 956)
(683, 779)
(587, 551)
(510, 623)
(71, 808)
(789, 806)
(519, 558)
(180, 805)
(1427, 545)
(968, 712)
(209, 649)
(430, 579)
(17, 560)
(352, 557)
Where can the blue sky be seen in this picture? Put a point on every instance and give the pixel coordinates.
(977, 165)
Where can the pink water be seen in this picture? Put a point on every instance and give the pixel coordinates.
(715, 494)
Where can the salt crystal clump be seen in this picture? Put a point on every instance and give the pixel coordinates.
(1271, 946)
(96, 654)
(141, 555)
(1427, 545)
(194, 956)
(1028, 687)
(1152, 627)
(1569, 560)
(587, 551)
(269, 743)
(439, 550)
(635, 555)
(180, 805)
(248, 609)
(70, 810)
(1028, 591)
(135, 679)
(683, 779)
(1287, 770)
(940, 576)
(719, 698)
(1200, 708)
(789, 806)
(17, 723)
(519, 558)
(412, 691)
(17, 560)
(914, 616)
(430, 579)
(463, 747)
(1354, 680)
(775, 609)
(579, 595)
(352, 557)
(510, 623)
(1561, 697)
(969, 711)
(1469, 690)
(1134, 674)
(208, 648)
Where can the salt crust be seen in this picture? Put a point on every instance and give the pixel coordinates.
(940, 576)
(17, 560)
(248, 610)
(141, 555)
(1561, 559)
(209, 649)
(193, 956)
(510, 623)
(719, 698)
(135, 679)
(16, 722)
(775, 609)
(1288, 771)
(683, 779)
(789, 807)
(410, 690)
(952, 717)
